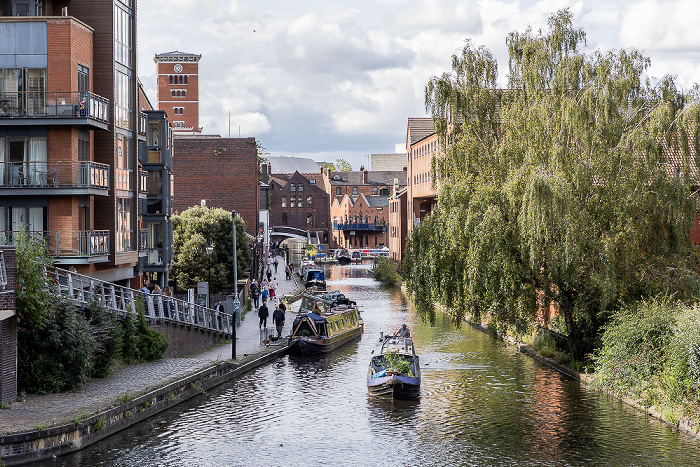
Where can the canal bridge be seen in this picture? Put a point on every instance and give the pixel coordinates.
(283, 232)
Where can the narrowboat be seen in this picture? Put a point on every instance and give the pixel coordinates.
(326, 327)
(343, 256)
(356, 256)
(314, 279)
(394, 370)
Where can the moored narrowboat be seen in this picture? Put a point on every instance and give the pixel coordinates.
(325, 328)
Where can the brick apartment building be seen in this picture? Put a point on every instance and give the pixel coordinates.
(421, 145)
(222, 171)
(69, 131)
(300, 201)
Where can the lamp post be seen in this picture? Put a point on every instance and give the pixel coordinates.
(236, 303)
(210, 250)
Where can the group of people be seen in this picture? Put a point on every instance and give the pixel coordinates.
(278, 316)
(264, 292)
(167, 295)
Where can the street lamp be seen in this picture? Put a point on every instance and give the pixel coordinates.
(210, 250)
(236, 303)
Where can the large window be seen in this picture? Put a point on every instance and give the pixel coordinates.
(122, 100)
(23, 161)
(124, 224)
(122, 36)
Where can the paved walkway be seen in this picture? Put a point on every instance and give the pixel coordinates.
(42, 411)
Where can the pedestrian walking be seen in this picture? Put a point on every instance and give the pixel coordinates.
(263, 313)
(255, 293)
(287, 272)
(269, 274)
(271, 289)
(167, 301)
(278, 319)
(276, 263)
(218, 312)
(265, 294)
(156, 291)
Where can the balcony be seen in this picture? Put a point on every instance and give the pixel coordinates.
(73, 247)
(54, 108)
(143, 242)
(61, 177)
(374, 226)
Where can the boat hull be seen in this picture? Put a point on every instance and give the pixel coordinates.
(343, 260)
(312, 346)
(394, 387)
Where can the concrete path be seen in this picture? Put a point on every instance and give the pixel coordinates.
(42, 411)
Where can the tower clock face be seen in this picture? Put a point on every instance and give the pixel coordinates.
(178, 68)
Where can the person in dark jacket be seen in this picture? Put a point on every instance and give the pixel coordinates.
(263, 313)
(278, 318)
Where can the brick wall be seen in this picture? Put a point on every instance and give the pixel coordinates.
(8, 330)
(185, 340)
(223, 171)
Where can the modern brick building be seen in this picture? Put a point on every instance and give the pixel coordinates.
(421, 145)
(178, 89)
(69, 127)
(300, 201)
(222, 171)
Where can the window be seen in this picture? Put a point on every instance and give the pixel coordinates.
(172, 93)
(284, 201)
(179, 79)
(83, 79)
(300, 187)
(374, 190)
(309, 201)
(312, 181)
(123, 224)
(185, 79)
(284, 218)
(171, 79)
(83, 145)
(338, 191)
(292, 201)
(122, 36)
(354, 191)
(292, 187)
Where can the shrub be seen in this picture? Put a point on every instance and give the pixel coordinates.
(108, 335)
(386, 272)
(57, 357)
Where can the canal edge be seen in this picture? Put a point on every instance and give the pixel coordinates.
(31, 446)
(684, 425)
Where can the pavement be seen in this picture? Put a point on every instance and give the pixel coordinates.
(43, 411)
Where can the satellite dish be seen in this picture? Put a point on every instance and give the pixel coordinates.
(203, 203)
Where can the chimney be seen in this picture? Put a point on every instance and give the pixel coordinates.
(64, 11)
(364, 176)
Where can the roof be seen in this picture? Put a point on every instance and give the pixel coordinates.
(283, 179)
(289, 165)
(419, 128)
(177, 53)
(374, 177)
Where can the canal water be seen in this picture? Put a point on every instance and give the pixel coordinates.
(482, 403)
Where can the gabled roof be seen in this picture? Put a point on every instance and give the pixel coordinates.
(419, 128)
(289, 165)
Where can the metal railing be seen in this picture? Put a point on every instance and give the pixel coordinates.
(65, 174)
(54, 105)
(83, 290)
(85, 243)
(359, 226)
(143, 239)
(3, 271)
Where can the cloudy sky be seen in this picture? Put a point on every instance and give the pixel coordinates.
(339, 79)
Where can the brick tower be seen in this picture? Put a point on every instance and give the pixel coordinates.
(178, 89)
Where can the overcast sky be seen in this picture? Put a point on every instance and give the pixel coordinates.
(340, 78)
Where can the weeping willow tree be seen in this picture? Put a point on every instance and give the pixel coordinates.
(572, 187)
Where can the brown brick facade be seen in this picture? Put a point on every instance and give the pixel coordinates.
(8, 329)
(309, 215)
(222, 171)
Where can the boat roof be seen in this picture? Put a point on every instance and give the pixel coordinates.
(402, 345)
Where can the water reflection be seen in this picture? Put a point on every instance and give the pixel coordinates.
(482, 403)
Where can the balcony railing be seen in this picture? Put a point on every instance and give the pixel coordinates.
(123, 179)
(143, 181)
(63, 174)
(85, 243)
(54, 105)
(378, 226)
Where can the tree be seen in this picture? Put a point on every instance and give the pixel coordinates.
(192, 231)
(558, 189)
(340, 165)
(34, 301)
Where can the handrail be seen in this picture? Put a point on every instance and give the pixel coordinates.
(82, 290)
(34, 104)
(57, 174)
(87, 243)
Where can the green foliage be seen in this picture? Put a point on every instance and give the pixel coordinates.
(57, 356)
(340, 165)
(192, 230)
(34, 302)
(385, 271)
(139, 342)
(108, 334)
(130, 337)
(558, 189)
(396, 362)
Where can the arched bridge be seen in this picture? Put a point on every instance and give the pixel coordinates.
(82, 290)
(299, 234)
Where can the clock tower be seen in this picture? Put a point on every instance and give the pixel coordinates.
(178, 90)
